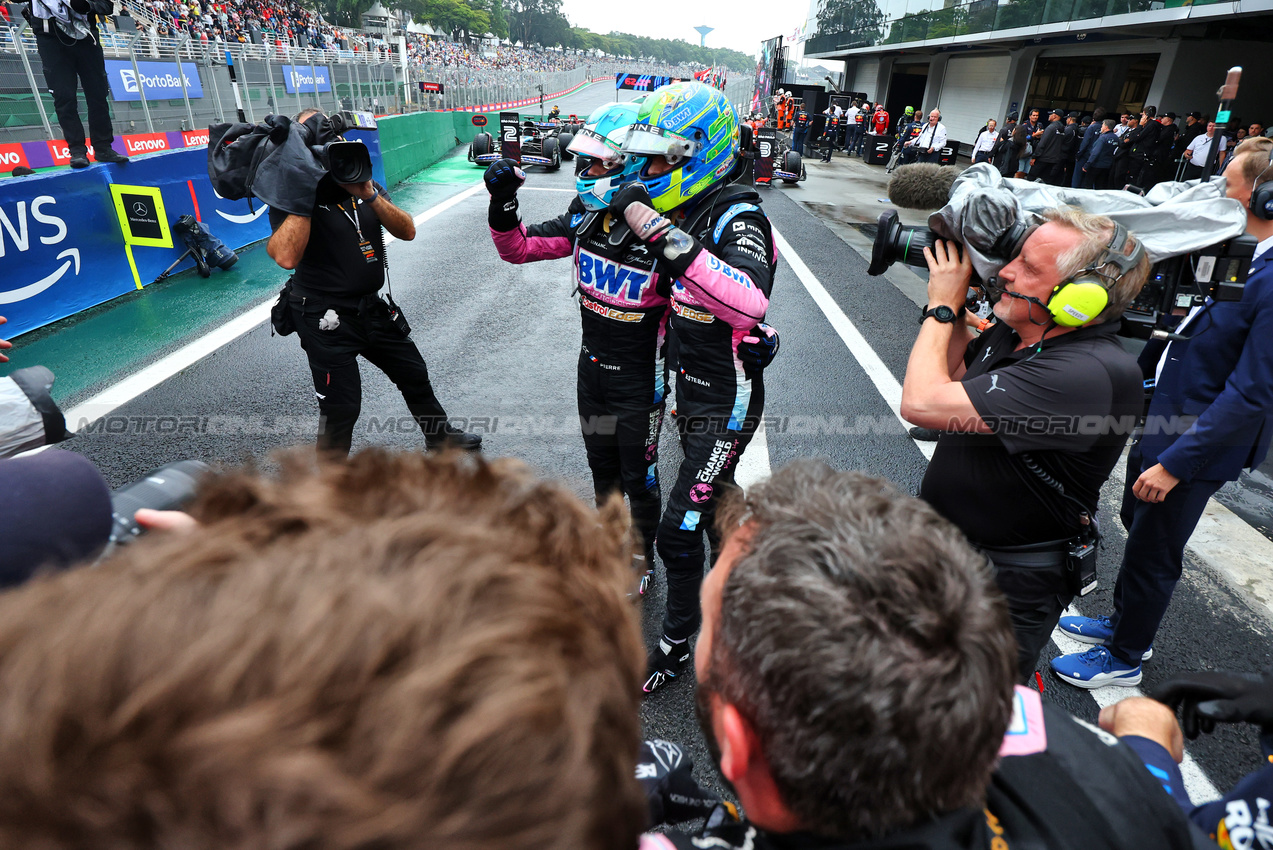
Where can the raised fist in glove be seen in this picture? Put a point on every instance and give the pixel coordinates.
(1205, 699)
(503, 178)
(664, 771)
(758, 349)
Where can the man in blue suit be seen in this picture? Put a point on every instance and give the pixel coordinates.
(1222, 374)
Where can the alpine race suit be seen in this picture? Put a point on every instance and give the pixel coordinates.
(716, 301)
(622, 376)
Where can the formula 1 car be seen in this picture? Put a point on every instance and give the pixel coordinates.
(788, 164)
(538, 143)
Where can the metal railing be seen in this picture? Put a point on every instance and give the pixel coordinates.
(215, 83)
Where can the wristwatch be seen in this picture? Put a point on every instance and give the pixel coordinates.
(942, 313)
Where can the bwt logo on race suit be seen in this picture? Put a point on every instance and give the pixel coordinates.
(19, 225)
(159, 80)
(608, 278)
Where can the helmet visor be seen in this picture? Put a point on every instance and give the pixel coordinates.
(592, 144)
(648, 140)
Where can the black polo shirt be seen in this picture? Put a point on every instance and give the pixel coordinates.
(1069, 405)
(333, 269)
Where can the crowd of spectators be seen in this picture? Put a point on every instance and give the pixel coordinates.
(425, 51)
(1109, 151)
(233, 21)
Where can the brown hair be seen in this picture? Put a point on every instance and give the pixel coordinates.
(866, 642)
(404, 652)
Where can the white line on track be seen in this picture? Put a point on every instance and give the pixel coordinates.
(880, 375)
(104, 402)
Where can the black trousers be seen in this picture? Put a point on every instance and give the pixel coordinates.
(1052, 173)
(1154, 558)
(1095, 178)
(621, 416)
(1034, 581)
(65, 61)
(333, 360)
(716, 424)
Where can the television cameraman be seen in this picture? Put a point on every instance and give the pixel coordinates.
(1024, 408)
(338, 253)
(1211, 416)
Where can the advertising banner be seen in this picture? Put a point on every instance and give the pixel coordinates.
(159, 80)
(641, 82)
(766, 147)
(306, 78)
(432, 88)
(12, 155)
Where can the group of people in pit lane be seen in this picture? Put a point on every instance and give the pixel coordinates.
(673, 266)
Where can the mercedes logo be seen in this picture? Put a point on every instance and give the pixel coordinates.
(139, 208)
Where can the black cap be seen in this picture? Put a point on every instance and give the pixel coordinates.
(22, 171)
(1058, 111)
(1073, 115)
(1197, 116)
(1012, 116)
(1170, 115)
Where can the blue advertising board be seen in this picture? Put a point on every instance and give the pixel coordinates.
(307, 78)
(159, 80)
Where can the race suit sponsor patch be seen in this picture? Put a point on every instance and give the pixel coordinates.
(609, 280)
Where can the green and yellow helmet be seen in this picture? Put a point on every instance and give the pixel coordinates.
(695, 128)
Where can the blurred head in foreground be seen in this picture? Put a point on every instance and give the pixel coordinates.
(856, 662)
(405, 652)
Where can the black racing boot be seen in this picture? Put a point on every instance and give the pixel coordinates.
(664, 660)
(80, 160)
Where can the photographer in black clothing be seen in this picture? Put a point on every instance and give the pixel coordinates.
(1035, 412)
(338, 253)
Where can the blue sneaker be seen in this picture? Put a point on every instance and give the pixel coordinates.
(1095, 668)
(1096, 630)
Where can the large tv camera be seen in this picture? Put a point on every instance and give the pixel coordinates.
(282, 161)
(1178, 284)
(1192, 233)
(347, 160)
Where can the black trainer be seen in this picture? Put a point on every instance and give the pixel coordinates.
(80, 160)
(665, 660)
(109, 155)
(453, 438)
(926, 435)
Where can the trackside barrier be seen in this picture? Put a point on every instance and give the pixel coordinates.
(514, 104)
(411, 143)
(70, 240)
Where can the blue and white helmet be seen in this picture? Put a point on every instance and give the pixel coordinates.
(602, 139)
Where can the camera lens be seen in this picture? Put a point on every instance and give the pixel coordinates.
(348, 162)
(895, 241)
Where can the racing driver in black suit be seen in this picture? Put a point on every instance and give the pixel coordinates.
(715, 242)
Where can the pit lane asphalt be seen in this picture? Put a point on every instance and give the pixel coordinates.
(501, 343)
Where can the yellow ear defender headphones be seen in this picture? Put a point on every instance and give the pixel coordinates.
(1076, 302)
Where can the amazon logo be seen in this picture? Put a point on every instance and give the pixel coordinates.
(21, 224)
(244, 218)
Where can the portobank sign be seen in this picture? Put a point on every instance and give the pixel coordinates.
(159, 80)
(35, 223)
